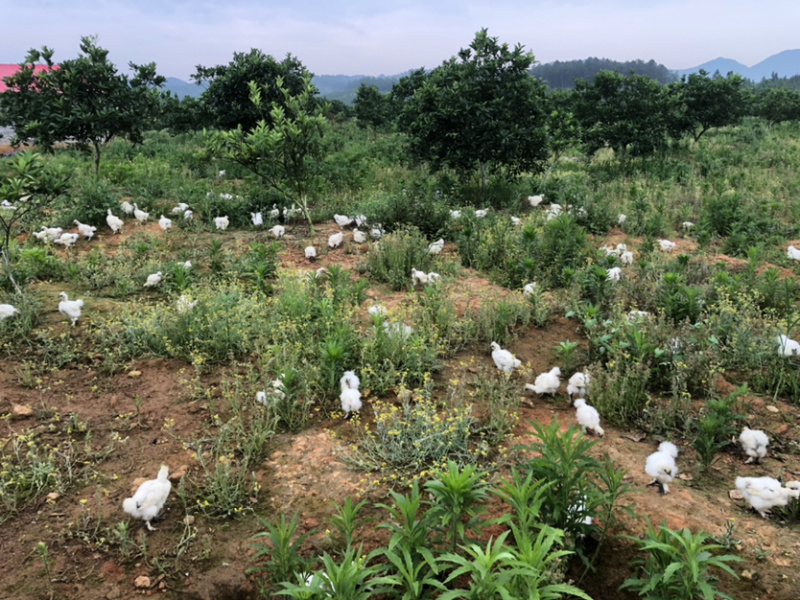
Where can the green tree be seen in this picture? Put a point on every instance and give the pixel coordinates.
(29, 187)
(628, 114)
(83, 100)
(777, 105)
(705, 102)
(371, 107)
(479, 110)
(227, 98)
(280, 150)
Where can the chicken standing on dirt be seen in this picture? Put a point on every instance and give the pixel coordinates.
(754, 443)
(765, 493)
(150, 498)
(588, 417)
(504, 360)
(661, 466)
(546, 383)
(351, 396)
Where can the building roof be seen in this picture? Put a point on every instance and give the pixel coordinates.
(9, 70)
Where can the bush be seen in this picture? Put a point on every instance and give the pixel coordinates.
(392, 260)
(677, 565)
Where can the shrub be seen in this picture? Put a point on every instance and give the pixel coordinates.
(392, 260)
(677, 565)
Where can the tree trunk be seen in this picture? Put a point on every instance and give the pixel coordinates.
(7, 263)
(484, 178)
(96, 160)
(304, 206)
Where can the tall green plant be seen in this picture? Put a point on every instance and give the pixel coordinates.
(677, 565)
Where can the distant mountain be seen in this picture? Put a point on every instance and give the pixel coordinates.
(333, 87)
(181, 88)
(785, 64)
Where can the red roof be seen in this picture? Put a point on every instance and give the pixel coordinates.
(9, 70)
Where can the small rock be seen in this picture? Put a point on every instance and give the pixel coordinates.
(686, 477)
(773, 409)
(21, 411)
(735, 495)
(179, 473)
(781, 430)
(53, 496)
(162, 586)
(142, 581)
(635, 437)
(188, 520)
(749, 575)
(134, 374)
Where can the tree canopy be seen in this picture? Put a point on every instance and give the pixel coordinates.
(706, 102)
(478, 110)
(227, 98)
(82, 100)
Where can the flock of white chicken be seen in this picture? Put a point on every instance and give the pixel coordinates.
(762, 493)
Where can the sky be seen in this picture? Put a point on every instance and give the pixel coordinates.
(374, 37)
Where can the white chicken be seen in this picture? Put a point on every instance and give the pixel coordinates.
(516, 221)
(787, 346)
(666, 245)
(335, 240)
(480, 214)
(588, 417)
(153, 280)
(621, 218)
(257, 218)
(350, 396)
(687, 225)
(553, 211)
(376, 232)
(765, 493)
(436, 247)
(186, 265)
(48, 234)
(661, 467)
(455, 214)
(311, 253)
(70, 308)
(614, 274)
(67, 239)
(529, 289)
(141, 216)
(342, 220)
(278, 231)
(180, 208)
(164, 223)
(504, 360)
(754, 443)
(274, 213)
(626, 258)
(535, 201)
(221, 223)
(377, 310)
(188, 216)
(398, 330)
(578, 385)
(359, 237)
(275, 392)
(546, 383)
(126, 207)
(114, 222)
(85, 230)
(185, 304)
(418, 277)
(7, 311)
(360, 220)
(149, 498)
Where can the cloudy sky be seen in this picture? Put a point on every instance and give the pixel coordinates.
(373, 37)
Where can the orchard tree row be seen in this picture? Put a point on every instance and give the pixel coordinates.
(479, 112)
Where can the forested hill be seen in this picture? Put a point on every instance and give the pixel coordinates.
(562, 74)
